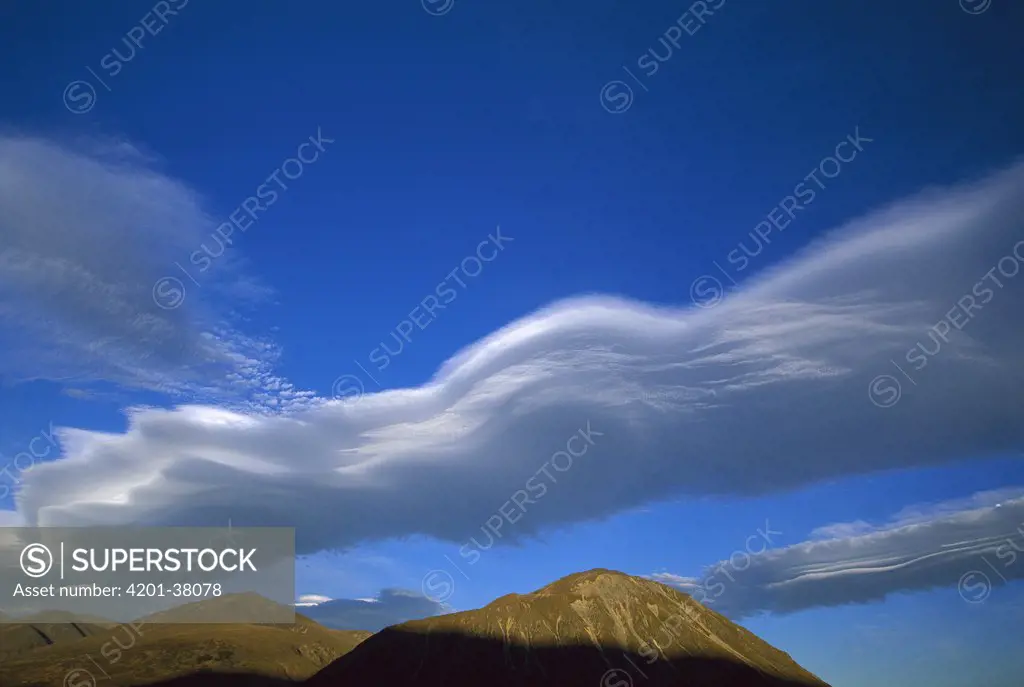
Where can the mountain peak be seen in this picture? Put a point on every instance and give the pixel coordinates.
(592, 575)
(575, 583)
(571, 632)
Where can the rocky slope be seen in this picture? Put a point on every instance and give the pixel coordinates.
(595, 629)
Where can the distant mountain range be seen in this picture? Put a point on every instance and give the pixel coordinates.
(595, 629)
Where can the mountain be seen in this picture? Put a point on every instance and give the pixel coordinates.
(144, 653)
(595, 629)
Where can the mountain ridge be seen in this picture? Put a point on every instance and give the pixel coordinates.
(571, 631)
(598, 628)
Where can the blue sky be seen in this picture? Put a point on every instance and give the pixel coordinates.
(426, 133)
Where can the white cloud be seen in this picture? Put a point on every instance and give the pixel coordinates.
(766, 392)
(975, 543)
(311, 599)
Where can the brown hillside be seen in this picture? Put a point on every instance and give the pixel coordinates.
(595, 629)
(22, 637)
(157, 653)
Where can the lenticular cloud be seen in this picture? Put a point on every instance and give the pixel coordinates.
(801, 375)
(973, 544)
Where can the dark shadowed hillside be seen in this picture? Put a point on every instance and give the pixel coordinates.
(594, 629)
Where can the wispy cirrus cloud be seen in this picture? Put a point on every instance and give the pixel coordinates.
(86, 229)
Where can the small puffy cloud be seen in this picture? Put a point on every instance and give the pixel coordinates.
(311, 599)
